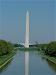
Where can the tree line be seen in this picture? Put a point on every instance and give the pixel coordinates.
(5, 47)
(48, 49)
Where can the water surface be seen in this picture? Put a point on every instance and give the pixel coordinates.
(37, 65)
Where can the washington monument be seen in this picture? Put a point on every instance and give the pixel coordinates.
(27, 31)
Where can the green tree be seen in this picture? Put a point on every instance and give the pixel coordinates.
(51, 49)
(5, 47)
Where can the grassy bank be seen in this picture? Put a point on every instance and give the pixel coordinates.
(51, 58)
(5, 59)
(7, 51)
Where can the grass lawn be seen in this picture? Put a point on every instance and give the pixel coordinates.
(5, 59)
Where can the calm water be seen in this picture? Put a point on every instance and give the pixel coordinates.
(37, 65)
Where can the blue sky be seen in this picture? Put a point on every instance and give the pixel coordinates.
(42, 20)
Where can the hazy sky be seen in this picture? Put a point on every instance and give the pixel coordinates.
(42, 20)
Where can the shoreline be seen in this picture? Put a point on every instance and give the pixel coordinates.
(7, 59)
(1, 66)
(52, 59)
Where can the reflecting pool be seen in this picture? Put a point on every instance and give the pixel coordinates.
(29, 63)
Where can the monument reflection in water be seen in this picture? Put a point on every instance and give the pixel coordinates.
(26, 63)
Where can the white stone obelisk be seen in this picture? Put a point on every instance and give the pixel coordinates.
(27, 31)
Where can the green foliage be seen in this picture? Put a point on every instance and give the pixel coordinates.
(42, 46)
(48, 49)
(51, 49)
(5, 47)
